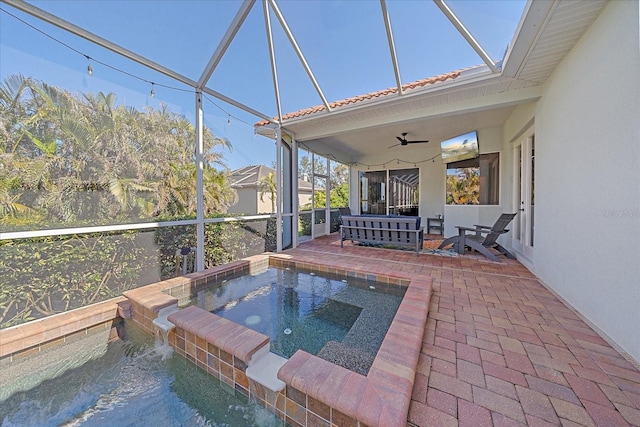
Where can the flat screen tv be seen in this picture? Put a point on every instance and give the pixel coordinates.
(461, 147)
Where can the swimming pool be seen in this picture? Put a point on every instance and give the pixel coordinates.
(135, 382)
(340, 320)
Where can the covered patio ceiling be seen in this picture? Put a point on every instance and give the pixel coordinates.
(351, 144)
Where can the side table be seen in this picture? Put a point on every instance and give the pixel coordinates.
(436, 224)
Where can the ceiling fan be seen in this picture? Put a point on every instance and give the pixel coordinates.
(403, 140)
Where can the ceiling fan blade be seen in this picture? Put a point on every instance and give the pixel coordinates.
(394, 145)
(416, 142)
(400, 139)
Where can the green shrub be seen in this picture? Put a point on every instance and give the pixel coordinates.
(43, 276)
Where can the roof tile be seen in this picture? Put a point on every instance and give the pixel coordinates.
(359, 98)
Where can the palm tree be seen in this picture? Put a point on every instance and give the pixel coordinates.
(218, 194)
(267, 185)
(87, 159)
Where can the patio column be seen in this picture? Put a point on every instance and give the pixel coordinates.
(199, 184)
(294, 189)
(327, 199)
(279, 189)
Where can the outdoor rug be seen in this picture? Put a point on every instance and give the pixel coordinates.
(441, 252)
(429, 247)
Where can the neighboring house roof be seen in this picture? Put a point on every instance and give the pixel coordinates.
(372, 95)
(250, 176)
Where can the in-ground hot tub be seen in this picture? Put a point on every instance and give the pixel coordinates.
(342, 320)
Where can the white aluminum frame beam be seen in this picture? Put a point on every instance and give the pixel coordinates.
(272, 58)
(301, 57)
(466, 34)
(295, 154)
(199, 183)
(392, 46)
(102, 42)
(235, 25)
(237, 104)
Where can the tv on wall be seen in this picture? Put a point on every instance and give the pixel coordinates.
(461, 147)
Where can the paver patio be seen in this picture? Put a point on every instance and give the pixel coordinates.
(499, 348)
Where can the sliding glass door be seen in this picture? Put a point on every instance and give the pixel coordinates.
(403, 192)
(373, 193)
(392, 192)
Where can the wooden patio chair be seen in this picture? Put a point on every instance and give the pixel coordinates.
(481, 238)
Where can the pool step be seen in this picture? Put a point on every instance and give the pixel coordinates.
(265, 369)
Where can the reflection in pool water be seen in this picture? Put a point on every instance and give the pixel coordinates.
(133, 384)
(341, 320)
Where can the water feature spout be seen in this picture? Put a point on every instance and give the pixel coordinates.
(263, 377)
(162, 326)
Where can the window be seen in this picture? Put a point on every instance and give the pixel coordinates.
(475, 181)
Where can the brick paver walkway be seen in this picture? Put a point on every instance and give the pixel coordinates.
(499, 348)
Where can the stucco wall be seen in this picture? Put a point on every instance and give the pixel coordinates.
(247, 202)
(587, 177)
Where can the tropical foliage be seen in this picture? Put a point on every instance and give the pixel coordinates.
(463, 187)
(338, 179)
(338, 175)
(267, 186)
(70, 159)
(43, 276)
(338, 197)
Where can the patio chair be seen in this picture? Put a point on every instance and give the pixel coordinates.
(344, 211)
(481, 238)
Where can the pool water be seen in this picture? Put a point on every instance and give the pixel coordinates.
(341, 320)
(134, 383)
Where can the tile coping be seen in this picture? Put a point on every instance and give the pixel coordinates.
(16, 339)
(382, 397)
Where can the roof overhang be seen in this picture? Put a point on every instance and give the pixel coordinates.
(476, 98)
(434, 113)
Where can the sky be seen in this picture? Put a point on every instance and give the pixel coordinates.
(343, 42)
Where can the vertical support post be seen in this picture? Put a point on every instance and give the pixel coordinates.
(313, 195)
(294, 188)
(199, 184)
(327, 200)
(279, 189)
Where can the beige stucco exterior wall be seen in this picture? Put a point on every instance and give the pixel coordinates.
(587, 124)
(247, 202)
